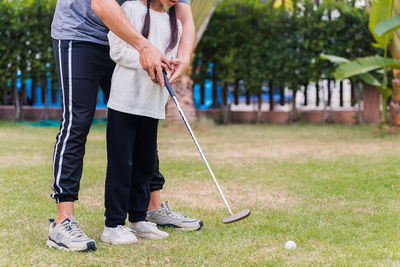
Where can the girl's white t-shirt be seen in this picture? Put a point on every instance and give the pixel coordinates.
(132, 90)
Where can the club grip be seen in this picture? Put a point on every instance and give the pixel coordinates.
(168, 85)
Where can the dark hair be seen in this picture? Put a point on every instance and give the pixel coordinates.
(172, 22)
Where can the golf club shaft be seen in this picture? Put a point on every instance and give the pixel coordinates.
(172, 93)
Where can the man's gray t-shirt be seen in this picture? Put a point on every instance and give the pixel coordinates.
(75, 20)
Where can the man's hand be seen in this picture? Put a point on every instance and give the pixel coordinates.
(153, 61)
(180, 67)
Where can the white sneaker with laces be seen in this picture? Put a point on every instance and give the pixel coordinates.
(165, 216)
(69, 236)
(148, 230)
(118, 235)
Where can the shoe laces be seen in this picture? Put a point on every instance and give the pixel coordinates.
(173, 213)
(73, 226)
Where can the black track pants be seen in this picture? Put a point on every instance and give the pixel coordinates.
(82, 68)
(131, 158)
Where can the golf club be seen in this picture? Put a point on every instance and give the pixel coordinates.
(233, 217)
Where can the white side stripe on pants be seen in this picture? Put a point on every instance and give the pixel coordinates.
(63, 118)
(57, 178)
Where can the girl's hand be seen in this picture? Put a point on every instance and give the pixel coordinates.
(168, 71)
(180, 67)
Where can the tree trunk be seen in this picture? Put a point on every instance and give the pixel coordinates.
(395, 101)
(327, 110)
(357, 88)
(247, 97)
(271, 95)
(237, 92)
(24, 95)
(202, 92)
(293, 115)
(353, 93)
(341, 94)
(184, 93)
(317, 94)
(34, 91)
(16, 100)
(282, 90)
(53, 94)
(329, 93)
(5, 95)
(225, 106)
(259, 111)
(215, 103)
(45, 99)
(305, 95)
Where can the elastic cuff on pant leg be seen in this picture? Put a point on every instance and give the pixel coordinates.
(67, 199)
(156, 187)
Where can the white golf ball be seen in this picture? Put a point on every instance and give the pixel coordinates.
(290, 245)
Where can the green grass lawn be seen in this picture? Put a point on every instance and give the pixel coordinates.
(333, 189)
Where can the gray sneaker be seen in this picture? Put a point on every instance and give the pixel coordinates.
(69, 236)
(165, 216)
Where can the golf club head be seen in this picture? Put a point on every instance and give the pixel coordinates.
(237, 217)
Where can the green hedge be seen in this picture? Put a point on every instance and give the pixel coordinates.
(25, 41)
(250, 41)
(246, 40)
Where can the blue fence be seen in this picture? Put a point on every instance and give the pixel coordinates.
(208, 95)
(36, 93)
(39, 97)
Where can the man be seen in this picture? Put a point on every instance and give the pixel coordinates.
(79, 32)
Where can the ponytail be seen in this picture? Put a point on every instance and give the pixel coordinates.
(146, 26)
(172, 22)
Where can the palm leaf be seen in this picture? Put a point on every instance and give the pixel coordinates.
(202, 12)
(381, 10)
(367, 78)
(389, 25)
(364, 65)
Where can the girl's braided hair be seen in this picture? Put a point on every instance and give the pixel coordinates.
(172, 22)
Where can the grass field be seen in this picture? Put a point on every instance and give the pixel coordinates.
(333, 189)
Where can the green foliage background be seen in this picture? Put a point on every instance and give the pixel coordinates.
(246, 40)
(25, 41)
(251, 41)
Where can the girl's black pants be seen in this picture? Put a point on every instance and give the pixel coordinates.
(131, 154)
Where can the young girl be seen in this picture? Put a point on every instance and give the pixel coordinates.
(134, 108)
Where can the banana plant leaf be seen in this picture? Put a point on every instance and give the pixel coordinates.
(389, 25)
(367, 78)
(335, 59)
(364, 65)
(202, 12)
(381, 10)
(395, 45)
